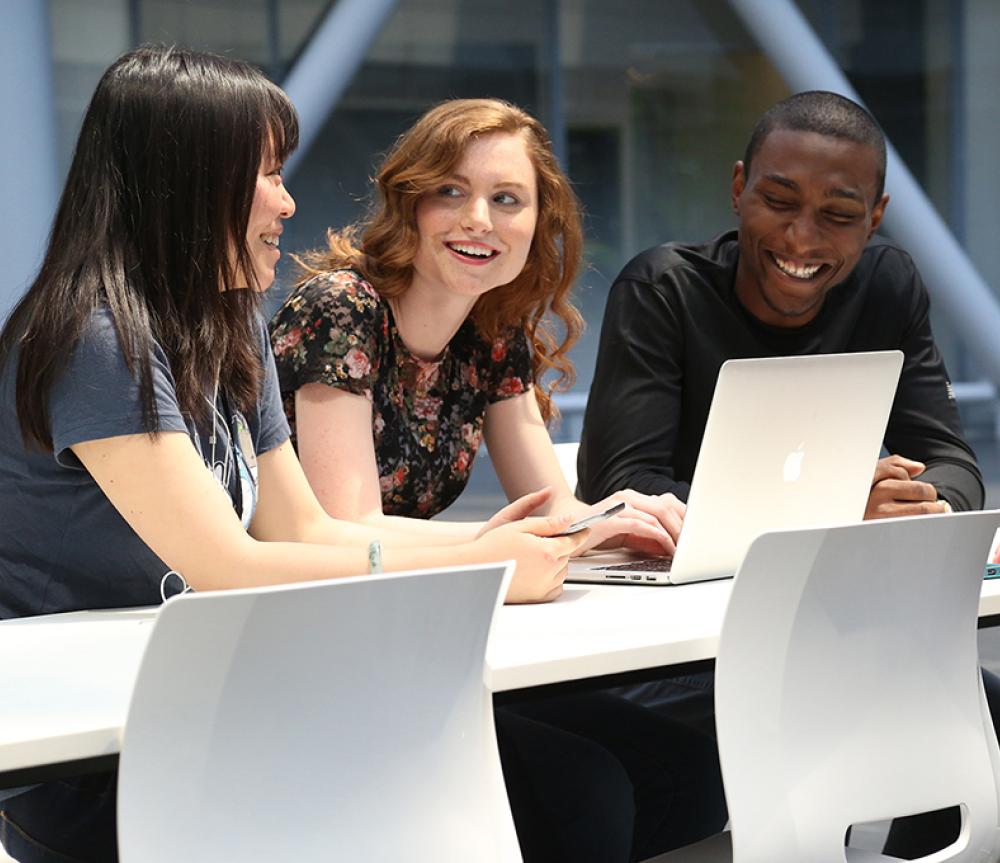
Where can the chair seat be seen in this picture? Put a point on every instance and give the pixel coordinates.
(714, 849)
(719, 849)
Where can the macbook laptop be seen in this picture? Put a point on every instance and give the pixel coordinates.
(790, 442)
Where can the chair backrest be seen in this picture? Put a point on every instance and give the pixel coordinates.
(342, 720)
(848, 688)
(566, 453)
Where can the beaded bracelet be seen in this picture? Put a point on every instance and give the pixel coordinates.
(374, 557)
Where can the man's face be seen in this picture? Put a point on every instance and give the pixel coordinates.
(805, 213)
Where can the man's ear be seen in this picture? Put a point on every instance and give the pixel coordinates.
(739, 184)
(877, 212)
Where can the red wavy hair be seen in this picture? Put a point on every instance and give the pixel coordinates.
(382, 247)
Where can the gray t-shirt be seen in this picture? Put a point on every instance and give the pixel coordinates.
(63, 546)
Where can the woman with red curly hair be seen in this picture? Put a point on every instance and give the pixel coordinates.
(416, 334)
(426, 328)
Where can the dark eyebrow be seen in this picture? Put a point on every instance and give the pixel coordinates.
(850, 194)
(836, 192)
(782, 181)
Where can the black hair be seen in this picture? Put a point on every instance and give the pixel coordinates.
(824, 113)
(152, 223)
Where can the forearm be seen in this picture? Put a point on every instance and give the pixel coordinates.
(958, 482)
(933, 436)
(631, 425)
(390, 531)
(272, 563)
(613, 475)
(441, 532)
(647, 480)
(925, 424)
(950, 464)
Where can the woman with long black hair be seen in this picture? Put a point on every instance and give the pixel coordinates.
(142, 440)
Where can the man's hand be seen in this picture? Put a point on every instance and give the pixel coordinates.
(649, 524)
(896, 491)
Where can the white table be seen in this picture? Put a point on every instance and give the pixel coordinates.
(66, 679)
(66, 682)
(596, 630)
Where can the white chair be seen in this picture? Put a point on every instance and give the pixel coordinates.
(566, 454)
(848, 691)
(344, 720)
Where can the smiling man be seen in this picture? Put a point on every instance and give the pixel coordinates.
(799, 276)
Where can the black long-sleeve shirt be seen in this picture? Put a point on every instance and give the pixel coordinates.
(673, 319)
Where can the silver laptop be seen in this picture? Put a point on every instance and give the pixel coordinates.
(790, 442)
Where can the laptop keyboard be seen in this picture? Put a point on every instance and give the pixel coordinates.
(654, 564)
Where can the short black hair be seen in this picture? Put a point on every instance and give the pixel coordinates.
(824, 113)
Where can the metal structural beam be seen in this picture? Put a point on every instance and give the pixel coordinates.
(555, 91)
(28, 157)
(329, 62)
(952, 279)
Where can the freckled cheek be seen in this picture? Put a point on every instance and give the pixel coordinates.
(431, 222)
(522, 230)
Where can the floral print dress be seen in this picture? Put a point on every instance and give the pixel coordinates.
(427, 416)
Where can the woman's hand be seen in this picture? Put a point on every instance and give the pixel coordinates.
(649, 524)
(520, 508)
(541, 557)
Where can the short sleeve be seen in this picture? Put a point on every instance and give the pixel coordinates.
(98, 397)
(331, 331)
(510, 372)
(274, 429)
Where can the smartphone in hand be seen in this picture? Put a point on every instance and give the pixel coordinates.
(583, 523)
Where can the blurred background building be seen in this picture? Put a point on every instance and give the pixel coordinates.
(650, 103)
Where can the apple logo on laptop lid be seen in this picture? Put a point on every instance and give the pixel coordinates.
(793, 464)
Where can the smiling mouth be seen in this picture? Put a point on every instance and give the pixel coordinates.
(272, 240)
(473, 253)
(803, 272)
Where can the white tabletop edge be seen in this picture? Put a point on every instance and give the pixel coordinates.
(502, 678)
(535, 647)
(73, 746)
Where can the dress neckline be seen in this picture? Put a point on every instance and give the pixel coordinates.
(424, 366)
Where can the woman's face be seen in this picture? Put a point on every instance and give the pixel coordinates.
(271, 205)
(476, 228)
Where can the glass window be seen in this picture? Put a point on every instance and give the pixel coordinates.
(650, 103)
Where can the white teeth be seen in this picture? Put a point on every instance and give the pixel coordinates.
(477, 251)
(792, 270)
(271, 240)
